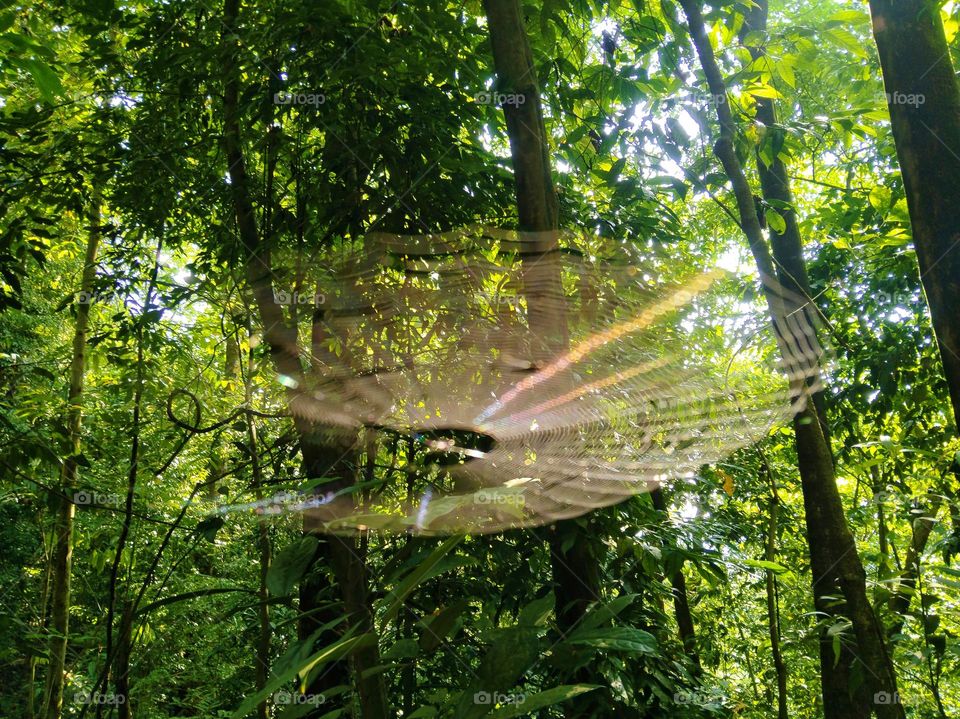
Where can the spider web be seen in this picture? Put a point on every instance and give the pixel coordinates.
(512, 380)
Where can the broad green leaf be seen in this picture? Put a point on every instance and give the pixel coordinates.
(513, 652)
(603, 613)
(437, 627)
(536, 612)
(847, 41)
(762, 90)
(775, 221)
(543, 699)
(624, 639)
(399, 594)
(848, 17)
(289, 566)
(763, 564)
(424, 712)
(332, 652)
(44, 76)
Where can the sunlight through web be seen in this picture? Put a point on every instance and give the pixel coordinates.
(487, 384)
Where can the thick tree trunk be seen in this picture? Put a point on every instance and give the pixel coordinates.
(573, 560)
(63, 529)
(924, 102)
(321, 456)
(835, 562)
(792, 274)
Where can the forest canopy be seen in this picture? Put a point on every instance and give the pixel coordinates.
(488, 359)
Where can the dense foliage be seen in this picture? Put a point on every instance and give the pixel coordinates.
(360, 116)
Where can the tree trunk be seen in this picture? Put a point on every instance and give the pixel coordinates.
(321, 456)
(122, 693)
(834, 560)
(773, 605)
(924, 103)
(792, 274)
(263, 532)
(63, 529)
(681, 601)
(922, 526)
(574, 561)
(775, 185)
(117, 659)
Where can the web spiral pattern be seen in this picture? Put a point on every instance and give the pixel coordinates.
(523, 379)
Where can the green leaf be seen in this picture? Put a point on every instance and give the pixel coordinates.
(846, 40)
(763, 564)
(424, 712)
(289, 566)
(763, 90)
(775, 221)
(848, 16)
(881, 198)
(43, 75)
(511, 655)
(785, 71)
(623, 639)
(602, 613)
(543, 699)
(437, 627)
(332, 652)
(403, 649)
(536, 612)
(396, 598)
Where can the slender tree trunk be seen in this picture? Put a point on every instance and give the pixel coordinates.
(775, 185)
(835, 562)
(681, 601)
(773, 604)
(63, 529)
(321, 455)
(573, 558)
(263, 539)
(117, 657)
(122, 693)
(922, 526)
(924, 102)
(42, 620)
